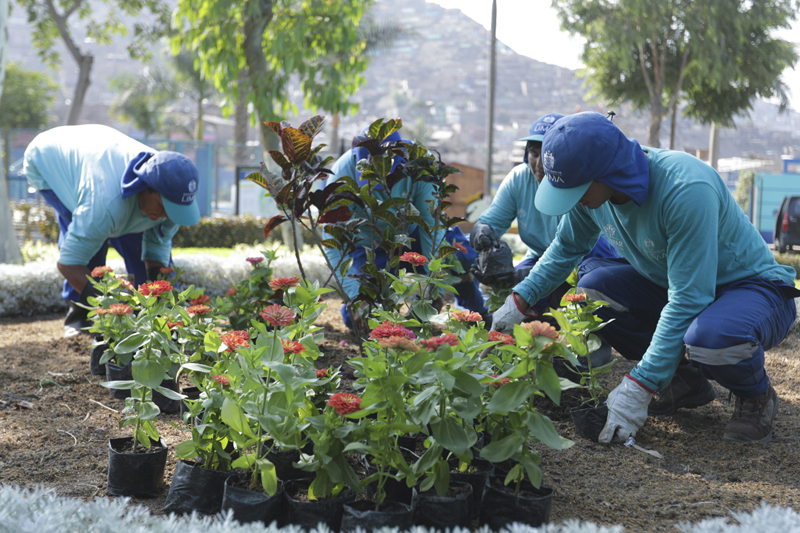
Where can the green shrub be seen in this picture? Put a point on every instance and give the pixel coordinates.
(221, 232)
(792, 260)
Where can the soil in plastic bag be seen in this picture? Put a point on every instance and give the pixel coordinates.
(284, 463)
(135, 474)
(442, 512)
(362, 514)
(306, 513)
(501, 506)
(194, 488)
(589, 421)
(482, 471)
(251, 506)
(117, 373)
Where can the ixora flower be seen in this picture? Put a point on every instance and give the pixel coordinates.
(99, 272)
(466, 316)
(155, 288)
(504, 339)
(231, 292)
(235, 339)
(254, 260)
(198, 310)
(345, 403)
(322, 373)
(541, 329)
(173, 325)
(434, 342)
(292, 347)
(414, 258)
(500, 382)
(278, 315)
(222, 380)
(120, 309)
(578, 297)
(389, 329)
(166, 270)
(398, 343)
(124, 283)
(284, 283)
(202, 299)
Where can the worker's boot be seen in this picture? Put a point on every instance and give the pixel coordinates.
(688, 389)
(75, 320)
(752, 418)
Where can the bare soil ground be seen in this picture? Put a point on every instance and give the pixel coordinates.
(55, 421)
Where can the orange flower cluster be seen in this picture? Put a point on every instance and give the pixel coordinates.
(99, 272)
(284, 283)
(466, 316)
(541, 329)
(198, 310)
(434, 342)
(120, 309)
(155, 288)
(200, 300)
(345, 403)
(575, 297)
(390, 329)
(506, 340)
(398, 343)
(126, 284)
(231, 292)
(292, 346)
(173, 325)
(278, 315)
(235, 339)
(321, 373)
(222, 380)
(414, 258)
(100, 311)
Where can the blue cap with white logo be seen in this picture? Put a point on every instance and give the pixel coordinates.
(540, 126)
(587, 147)
(174, 176)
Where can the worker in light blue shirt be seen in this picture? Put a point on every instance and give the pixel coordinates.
(469, 295)
(108, 188)
(698, 294)
(515, 200)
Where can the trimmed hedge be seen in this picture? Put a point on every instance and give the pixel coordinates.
(213, 232)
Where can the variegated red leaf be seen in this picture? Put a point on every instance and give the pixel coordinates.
(296, 145)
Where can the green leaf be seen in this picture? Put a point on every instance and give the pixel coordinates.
(542, 429)
(549, 380)
(234, 417)
(534, 471)
(269, 476)
(451, 434)
(131, 343)
(148, 372)
(510, 396)
(212, 342)
(503, 449)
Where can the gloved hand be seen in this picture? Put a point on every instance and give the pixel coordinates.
(513, 312)
(627, 411)
(483, 236)
(153, 272)
(88, 290)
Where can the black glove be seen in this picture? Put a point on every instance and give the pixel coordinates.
(88, 290)
(153, 272)
(495, 265)
(483, 237)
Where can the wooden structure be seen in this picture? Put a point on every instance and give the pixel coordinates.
(469, 182)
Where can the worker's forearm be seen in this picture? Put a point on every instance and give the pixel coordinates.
(75, 275)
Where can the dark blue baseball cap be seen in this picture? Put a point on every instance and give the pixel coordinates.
(174, 176)
(587, 147)
(540, 126)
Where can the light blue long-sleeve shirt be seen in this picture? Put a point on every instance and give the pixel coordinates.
(83, 166)
(689, 236)
(514, 199)
(420, 195)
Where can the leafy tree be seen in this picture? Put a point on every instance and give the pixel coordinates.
(642, 52)
(26, 99)
(54, 19)
(143, 100)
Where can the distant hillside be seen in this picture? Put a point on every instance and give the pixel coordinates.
(437, 83)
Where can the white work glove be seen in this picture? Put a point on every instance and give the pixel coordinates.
(627, 411)
(510, 313)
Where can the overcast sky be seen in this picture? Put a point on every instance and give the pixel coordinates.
(531, 28)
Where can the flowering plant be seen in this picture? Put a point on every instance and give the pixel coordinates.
(245, 299)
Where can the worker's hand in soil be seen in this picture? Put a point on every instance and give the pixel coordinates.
(514, 311)
(627, 411)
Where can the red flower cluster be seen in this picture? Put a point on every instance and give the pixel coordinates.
(466, 316)
(345, 403)
(541, 329)
(222, 380)
(198, 310)
(390, 329)
(173, 325)
(254, 260)
(100, 311)
(231, 292)
(99, 272)
(235, 339)
(120, 309)
(202, 299)
(414, 258)
(278, 315)
(460, 247)
(434, 342)
(575, 297)
(398, 343)
(292, 346)
(166, 270)
(504, 339)
(284, 283)
(155, 288)
(321, 373)
(126, 284)
(498, 383)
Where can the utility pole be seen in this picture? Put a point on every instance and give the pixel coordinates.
(487, 180)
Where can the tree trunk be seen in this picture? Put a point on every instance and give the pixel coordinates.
(672, 126)
(198, 127)
(654, 132)
(9, 247)
(240, 136)
(333, 148)
(84, 70)
(713, 146)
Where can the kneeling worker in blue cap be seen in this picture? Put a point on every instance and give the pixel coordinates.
(696, 294)
(108, 188)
